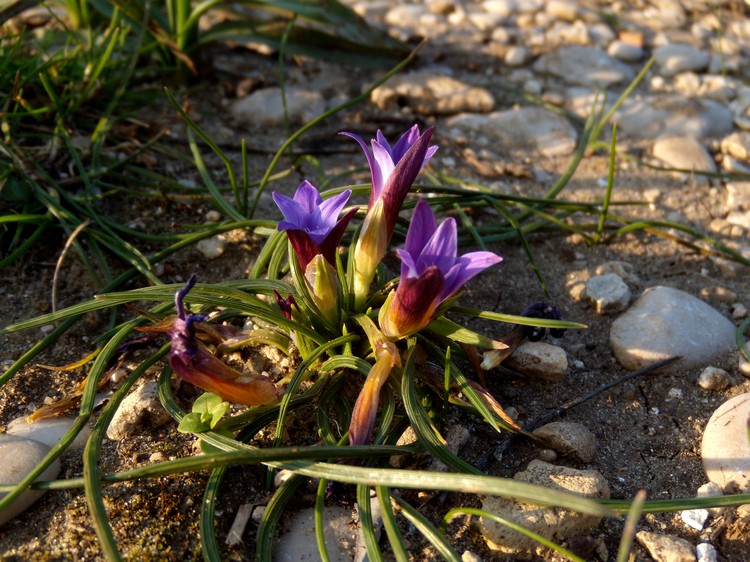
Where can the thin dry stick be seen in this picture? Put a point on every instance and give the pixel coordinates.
(60, 260)
(503, 447)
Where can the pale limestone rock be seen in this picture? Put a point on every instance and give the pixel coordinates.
(554, 523)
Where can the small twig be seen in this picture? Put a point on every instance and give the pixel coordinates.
(503, 447)
(60, 260)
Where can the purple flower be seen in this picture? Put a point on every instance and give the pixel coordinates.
(311, 223)
(431, 272)
(393, 170)
(193, 362)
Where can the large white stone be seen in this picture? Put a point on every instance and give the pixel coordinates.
(726, 445)
(264, 108)
(520, 130)
(666, 322)
(685, 153)
(649, 117)
(48, 431)
(676, 57)
(584, 66)
(18, 457)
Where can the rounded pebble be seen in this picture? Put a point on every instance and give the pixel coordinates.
(570, 439)
(139, 410)
(666, 322)
(713, 378)
(608, 293)
(539, 360)
(725, 449)
(19, 457)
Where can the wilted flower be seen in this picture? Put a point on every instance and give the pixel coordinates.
(193, 362)
(431, 272)
(393, 170)
(311, 223)
(365, 408)
(314, 232)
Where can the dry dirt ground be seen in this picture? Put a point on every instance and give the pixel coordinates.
(637, 448)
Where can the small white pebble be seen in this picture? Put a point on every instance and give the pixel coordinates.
(212, 247)
(695, 518)
(739, 311)
(706, 552)
(213, 216)
(675, 394)
(47, 328)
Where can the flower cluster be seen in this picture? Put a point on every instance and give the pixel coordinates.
(334, 295)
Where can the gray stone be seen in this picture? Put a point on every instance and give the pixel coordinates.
(49, 431)
(666, 548)
(520, 130)
(569, 438)
(431, 93)
(140, 410)
(713, 378)
(553, 523)
(675, 58)
(608, 293)
(725, 448)
(685, 153)
(298, 542)
(455, 439)
(673, 114)
(19, 457)
(666, 322)
(264, 108)
(517, 55)
(540, 360)
(601, 35)
(585, 66)
(625, 51)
